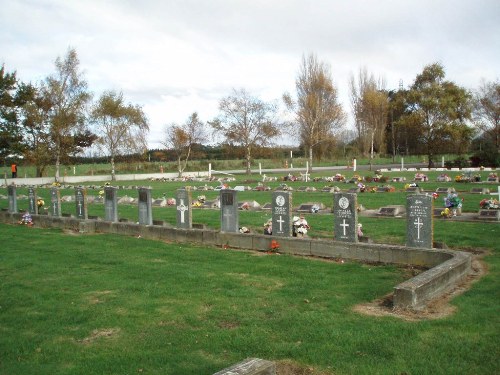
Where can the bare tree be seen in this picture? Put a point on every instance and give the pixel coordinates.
(121, 128)
(181, 139)
(318, 113)
(370, 105)
(487, 111)
(247, 121)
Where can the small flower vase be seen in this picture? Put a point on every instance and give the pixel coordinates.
(454, 212)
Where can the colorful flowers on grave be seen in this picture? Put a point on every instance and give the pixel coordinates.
(362, 187)
(245, 206)
(446, 213)
(443, 177)
(421, 177)
(435, 196)
(489, 203)
(26, 219)
(171, 201)
(492, 175)
(453, 201)
(201, 198)
(56, 184)
(275, 245)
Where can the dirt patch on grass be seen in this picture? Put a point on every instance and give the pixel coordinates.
(436, 309)
(288, 367)
(98, 334)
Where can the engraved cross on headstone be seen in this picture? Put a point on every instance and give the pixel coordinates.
(281, 221)
(418, 224)
(344, 225)
(182, 208)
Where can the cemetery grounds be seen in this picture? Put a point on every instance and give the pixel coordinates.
(105, 304)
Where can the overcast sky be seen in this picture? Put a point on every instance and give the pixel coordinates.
(175, 57)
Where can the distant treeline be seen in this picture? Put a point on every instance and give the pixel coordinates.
(199, 152)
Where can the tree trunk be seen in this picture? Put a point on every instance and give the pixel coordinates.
(58, 165)
(249, 164)
(310, 159)
(371, 150)
(113, 176)
(179, 167)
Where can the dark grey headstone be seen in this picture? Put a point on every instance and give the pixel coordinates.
(145, 206)
(419, 228)
(345, 217)
(229, 211)
(183, 207)
(81, 203)
(32, 201)
(55, 202)
(110, 204)
(282, 214)
(12, 195)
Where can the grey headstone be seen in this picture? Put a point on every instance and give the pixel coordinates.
(489, 215)
(229, 211)
(145, 206)
(32, 201)
(110, 204)
(250, 366)
(345, 217)
(282, 214)
(183, 207)
(419, 229)
(81, 203)
(55, 202)
(12, 194)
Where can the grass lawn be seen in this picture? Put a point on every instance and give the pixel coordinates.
(104, 304)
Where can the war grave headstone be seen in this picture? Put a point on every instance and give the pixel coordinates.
(145, 206)
(32, 201)
(282, 214)
(55, 202)
(81, 203)
(229, 211)
(12, 195)
(183, 209)
(110, 204)
(419, 225)
(345, 217)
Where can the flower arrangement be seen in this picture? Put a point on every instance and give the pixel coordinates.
(244, 230)
(486, 204)
(201, 198)
(300, 226)
(421, 177)
(171, 202)
(245, 206)
(339, 177)
(268, 227)
(446, 213)
(56, 184)
(435, 196)
(453, 202)
(492, 175)
(362, 187)
(315, 209)
(443, 177)
(26, 219)
(360, 230)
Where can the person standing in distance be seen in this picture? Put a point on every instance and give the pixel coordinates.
(14, 170)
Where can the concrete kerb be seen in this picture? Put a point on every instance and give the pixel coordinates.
(447, 268)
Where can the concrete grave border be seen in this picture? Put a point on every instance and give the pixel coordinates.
(446, 268)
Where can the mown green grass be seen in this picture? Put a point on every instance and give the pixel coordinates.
(104, 304)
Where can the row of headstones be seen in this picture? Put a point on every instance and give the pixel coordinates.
(419, 212)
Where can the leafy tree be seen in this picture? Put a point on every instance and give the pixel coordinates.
(318, 113)
(246, 121)
(66, 91)
(181, 139)
(10, 99)
(487, 112)
(439, 108)
(120, 128)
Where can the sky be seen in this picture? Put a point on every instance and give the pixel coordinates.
(176, 57)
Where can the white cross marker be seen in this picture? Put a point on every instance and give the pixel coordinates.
(182, 208)
(343, 225)
(80, 208)
(55, 205)
(418, 224)
(281, 221)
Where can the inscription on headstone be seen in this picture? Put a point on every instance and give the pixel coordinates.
(145, 206)
(110, 204)
(32, 201)
(229, 211)
(282, 214)
(419, 229)
(11, 192)
(55, 202)
(81, 203)
(345, 217)
(184, 213)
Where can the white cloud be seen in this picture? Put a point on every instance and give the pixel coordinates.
(175, 57)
